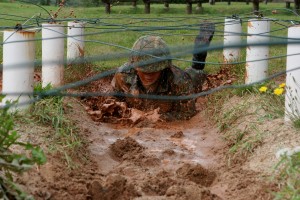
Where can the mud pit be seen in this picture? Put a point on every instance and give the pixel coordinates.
(167, 161)
(153, 160)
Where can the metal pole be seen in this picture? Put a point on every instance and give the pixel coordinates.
(258, 32)
(52, 54)
(292, 98)
(232, 36)
(75, 42)
(18, 66)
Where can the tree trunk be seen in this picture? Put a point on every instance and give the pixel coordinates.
(107, 8)
(134, 4)
(297, 6)
(147, 7)
(256, 6)
(189, 8)
(199, 7)
(166, 3)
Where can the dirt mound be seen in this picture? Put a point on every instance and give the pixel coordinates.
(116, 187)
(166, 184)
(126, 148)
(159, 184)
(190, 191)
(197, 174)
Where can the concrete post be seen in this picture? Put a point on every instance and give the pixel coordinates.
(52, 54)
(18, 66)
(292, 97)
(75, 51)
(232, 36)
(258, 32)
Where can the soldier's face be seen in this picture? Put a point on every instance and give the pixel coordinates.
(148, 78)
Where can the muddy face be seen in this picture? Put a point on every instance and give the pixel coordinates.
(148, 78)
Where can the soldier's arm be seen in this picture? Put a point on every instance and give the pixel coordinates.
(120, 81)
(183, 109)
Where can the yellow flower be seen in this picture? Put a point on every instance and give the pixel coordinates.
(263, 89)
(278, 91)
(282, 85)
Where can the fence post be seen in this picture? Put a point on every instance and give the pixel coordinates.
(75, 41)
(18, 66)
(292, 97)
(232, 36)
(52, 54)
(258, 32)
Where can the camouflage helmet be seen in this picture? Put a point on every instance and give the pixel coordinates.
(145, 52)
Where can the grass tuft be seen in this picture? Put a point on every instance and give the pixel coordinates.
(289, 177)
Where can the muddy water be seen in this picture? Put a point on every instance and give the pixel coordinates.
(196, 145)
(186, 152)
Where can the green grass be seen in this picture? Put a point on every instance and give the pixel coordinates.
(125, 24)
(65, 139)
(241, 121)
(288, 178)
(63, 135)
(110, 29)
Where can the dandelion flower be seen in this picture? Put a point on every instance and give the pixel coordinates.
(282, 85)
(263, 89)
(278, 91)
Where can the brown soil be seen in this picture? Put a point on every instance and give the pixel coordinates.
(125, 148)
(147, 160)
(197, 174)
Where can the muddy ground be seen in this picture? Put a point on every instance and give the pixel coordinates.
(152, 160)
(167, 160)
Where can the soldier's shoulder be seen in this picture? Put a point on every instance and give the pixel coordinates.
(125, 68)
(182, 82)
(180, 76)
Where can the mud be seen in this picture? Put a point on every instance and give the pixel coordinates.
(197, 174)
(115, 187)
(145, 160)
(126, 148)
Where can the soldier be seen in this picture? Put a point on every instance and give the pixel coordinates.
(150, 71)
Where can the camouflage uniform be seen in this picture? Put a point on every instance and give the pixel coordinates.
(172, 81)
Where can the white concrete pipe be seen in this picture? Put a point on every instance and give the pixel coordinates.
(52, 54)
(75, 52)
(18, 67)
(232, 36)
(292, 95)
(258, 32)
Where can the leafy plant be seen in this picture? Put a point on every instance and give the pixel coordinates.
(11, 162)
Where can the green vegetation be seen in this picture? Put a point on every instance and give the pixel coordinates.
(109, 38)
(240, 122)
(108, 34)
(51, 111)
(12, 162)
(289, 177)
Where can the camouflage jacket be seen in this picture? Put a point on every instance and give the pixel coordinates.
(173, 82)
